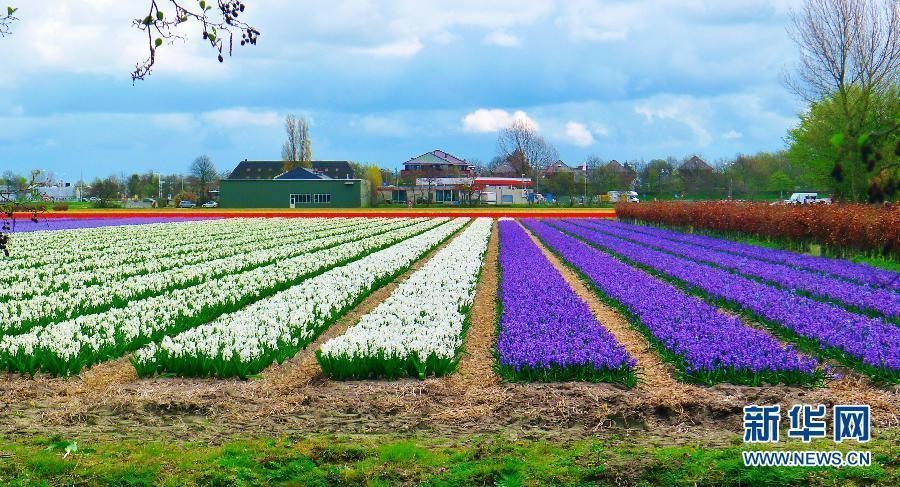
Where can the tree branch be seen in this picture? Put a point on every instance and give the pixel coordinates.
(219, 25)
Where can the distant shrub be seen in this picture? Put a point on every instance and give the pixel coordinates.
(61, 207)
(840, 227)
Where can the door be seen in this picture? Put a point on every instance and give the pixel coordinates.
(294, 201)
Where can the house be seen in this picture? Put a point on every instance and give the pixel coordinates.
(623, 174)
(561, 167)
(55, 191)
(695, 173)
(265, 184)
(436, 163)
(453, 191)
(695, 165)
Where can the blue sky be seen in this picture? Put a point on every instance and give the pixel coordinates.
(382, 81)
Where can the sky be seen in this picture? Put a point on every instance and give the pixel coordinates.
(384, 81)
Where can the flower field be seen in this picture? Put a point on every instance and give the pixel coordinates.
(231, 297)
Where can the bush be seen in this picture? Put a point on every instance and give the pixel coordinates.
(840, 227)
(61, 207)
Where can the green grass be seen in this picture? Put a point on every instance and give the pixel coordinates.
(389, 460)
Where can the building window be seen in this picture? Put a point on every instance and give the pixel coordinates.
(322, 198)
(300, 199)
(443, 195)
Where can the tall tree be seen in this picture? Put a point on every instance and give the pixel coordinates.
(297, 149)
(850, 55)
(521, 144)
(204, 172)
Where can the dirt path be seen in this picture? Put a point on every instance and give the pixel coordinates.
(295, 398)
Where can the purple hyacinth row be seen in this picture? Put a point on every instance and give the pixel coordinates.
(545, 325)
(26, 225)
(879, 300)
(705, 339)
(869, 340)
(845, 269)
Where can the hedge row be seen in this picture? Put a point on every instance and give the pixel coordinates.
(842, 228)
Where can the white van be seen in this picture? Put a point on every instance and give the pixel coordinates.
(806, 198)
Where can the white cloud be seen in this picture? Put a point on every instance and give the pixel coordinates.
(578, 134)
(241, 117)
(592, 21)
(732, 135)
(402, 48)
(493, 120)
(382, 126)
(599, 129)
(502, 39)
(680, 109)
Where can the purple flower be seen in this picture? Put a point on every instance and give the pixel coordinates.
(869, 341)
(879, 300)
(546, 330)
(706, 345)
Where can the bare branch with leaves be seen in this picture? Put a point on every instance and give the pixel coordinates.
(6, 21)
(220, 24)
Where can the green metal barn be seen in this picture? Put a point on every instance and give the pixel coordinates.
(265, 184)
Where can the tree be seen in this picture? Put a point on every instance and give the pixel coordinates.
(106, 190)
(781, 182)
(297, 149)
(204, 172)
(849, 60)
(526, 150)
(6, 21)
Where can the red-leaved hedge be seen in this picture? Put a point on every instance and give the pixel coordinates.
(841, 227)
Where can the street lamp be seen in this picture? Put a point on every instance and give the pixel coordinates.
(524, 190)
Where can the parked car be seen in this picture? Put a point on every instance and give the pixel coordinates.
(210, 204)
(806, 199)
(617, 196)
(187, 204)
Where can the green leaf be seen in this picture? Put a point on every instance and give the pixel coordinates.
(863, 140)
(159, 15)
(212, 37)
(10, 11)
(837, 139)
(203, 4)
(148, 20)
(158, 42)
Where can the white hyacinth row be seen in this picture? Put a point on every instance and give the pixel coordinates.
(66, 347)
(246, 342)
(43, 246)
(20, 315)
(104, 267)
(418, 330)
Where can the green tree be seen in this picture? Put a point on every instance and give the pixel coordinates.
(780, 181)
(203, 171)
(849, 71)
(827, 158)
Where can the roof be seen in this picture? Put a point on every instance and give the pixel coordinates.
(257, 170)
(335, 169)
(480, 183)
(617, 166)
(301, 173)
(437, 157)
(273, 169)
(695, 164)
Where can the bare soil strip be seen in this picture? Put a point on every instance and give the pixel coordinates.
(295, 398)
